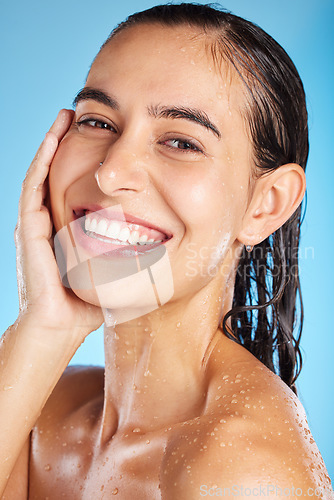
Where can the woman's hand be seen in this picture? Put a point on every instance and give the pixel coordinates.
(44, 301)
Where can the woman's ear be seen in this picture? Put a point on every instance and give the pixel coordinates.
(275, 198)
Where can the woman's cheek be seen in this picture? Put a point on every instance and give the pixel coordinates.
(68, 162)
(206, 199)
(66, 168)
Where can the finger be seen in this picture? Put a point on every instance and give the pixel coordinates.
(59, 127)
(32, 189)
(62, 123)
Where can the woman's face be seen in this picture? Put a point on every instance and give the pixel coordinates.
(167, 125)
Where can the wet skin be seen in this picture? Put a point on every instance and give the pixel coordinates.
(179, 405)
(250, 430)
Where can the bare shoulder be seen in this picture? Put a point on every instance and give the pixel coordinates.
(78, 388)
(77, 385)
(252, 439)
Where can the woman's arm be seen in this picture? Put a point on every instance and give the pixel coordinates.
(32, 362)
(52, 322)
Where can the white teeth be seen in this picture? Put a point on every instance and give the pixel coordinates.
(124, 234)
(143, 238)
(113, 230)
(93, 225)
(148, 242)
(102, 227)
(134, 236)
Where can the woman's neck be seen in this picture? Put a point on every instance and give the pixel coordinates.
(156, 366)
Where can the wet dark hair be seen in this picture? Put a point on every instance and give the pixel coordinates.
(264, 317)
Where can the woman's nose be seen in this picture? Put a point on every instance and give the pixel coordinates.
(121, 171)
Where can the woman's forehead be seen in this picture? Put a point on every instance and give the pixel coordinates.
(182, 58)
(155, 34)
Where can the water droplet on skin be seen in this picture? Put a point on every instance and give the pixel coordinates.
(178, 324)
(7, 387)
(115, 491)
(136, 429)
(222, 445)
(225, 377)
(47, 467)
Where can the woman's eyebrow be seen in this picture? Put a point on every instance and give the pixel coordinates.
(159, 111)
(194, 115)
(90, 93)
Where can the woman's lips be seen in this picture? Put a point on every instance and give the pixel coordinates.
(121, 230)
(113, 213)
(94, 244)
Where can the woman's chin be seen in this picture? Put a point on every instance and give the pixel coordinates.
(120, 304)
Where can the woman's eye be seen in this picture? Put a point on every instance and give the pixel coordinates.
(90, 122)
(180, 144)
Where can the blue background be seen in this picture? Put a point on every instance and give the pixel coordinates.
(46, 50)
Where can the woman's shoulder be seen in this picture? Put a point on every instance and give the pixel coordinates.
(78, 392)
(253, 435)
(76, 387)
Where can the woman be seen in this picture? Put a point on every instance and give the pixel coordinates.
(191, 131)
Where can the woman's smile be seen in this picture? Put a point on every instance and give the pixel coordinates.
(110, 232)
